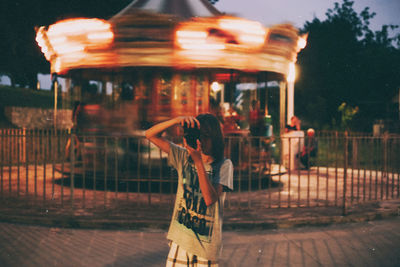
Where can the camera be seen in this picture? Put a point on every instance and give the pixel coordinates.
(191, 134)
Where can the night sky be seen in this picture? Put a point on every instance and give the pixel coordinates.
(299, 11)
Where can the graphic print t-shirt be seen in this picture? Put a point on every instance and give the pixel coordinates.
(194, 226)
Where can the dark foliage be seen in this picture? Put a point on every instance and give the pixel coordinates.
(344, 61)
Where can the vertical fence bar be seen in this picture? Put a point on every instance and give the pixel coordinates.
(105, 170)
(95, 142)
(382, 163)
(149, 172)
(116, 167)
(270, 161)
(391, 167)
(385, 165)
(240, 141)
(328, 141)
(365, 173)
(2, 162)
(82, 152)
(376, 167)
(250, 151)
(35, 145)
(298, 172)
(370, 145)
(318, 180)
(127, 158)
(336, 168)
(397, 159)
(345, 155)
(10, 158)
(138, 165)
(289, 173)
(160, 177)
(308, 172)
(228, 155)
(261, 161)
(353, 166)
(54, 157)
(27, 161)
(72, 170)
(280, 171)
(44, 136)
(63, 149)
(18, 146)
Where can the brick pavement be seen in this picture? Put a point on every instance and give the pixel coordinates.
(359, 244)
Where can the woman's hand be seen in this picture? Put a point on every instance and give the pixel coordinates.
(191, 121)
(195, 154)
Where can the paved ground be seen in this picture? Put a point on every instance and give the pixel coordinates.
(374, 243)
(357, 239)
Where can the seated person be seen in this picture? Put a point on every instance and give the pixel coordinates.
(310, 149)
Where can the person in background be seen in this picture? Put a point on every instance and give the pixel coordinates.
(256, 119)
(294, 125)
(204, 175)
(76, 121)
(310, 149)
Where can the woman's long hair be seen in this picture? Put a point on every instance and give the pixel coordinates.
(210, 127)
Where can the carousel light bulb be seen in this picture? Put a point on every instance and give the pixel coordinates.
(301, 43)
(215, 87)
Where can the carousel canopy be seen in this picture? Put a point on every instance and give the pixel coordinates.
(180, 8)
(159, 33)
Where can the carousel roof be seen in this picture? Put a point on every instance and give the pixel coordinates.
(184, 9)
(159, 33)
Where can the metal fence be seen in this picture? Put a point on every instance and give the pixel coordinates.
(83, 172)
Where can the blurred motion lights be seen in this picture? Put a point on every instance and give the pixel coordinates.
(69, 40)
(228, 31)
(225, 42)
(302, 42)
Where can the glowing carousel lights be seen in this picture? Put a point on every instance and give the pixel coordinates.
(69, 40)
(221, 33)
(302, 41)
(250, 33)
(145, 39)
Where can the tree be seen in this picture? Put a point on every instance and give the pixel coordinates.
(345, 61)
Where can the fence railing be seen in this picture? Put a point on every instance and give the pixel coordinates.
(63, 169)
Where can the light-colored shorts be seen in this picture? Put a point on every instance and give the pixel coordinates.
(178, 257)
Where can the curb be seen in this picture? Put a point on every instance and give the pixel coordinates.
(90, 222)
(304, 222)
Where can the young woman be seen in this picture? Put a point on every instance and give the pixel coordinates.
(204, 177)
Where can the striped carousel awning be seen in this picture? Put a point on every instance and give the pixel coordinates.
(181, 8)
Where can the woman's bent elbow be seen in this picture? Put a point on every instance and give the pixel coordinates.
(210, 201)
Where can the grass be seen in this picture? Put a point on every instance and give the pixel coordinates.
(25, 97)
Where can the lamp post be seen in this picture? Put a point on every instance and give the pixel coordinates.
(55, 86)
(290, 91)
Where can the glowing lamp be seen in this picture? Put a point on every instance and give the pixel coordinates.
(302, 42)
(215, 87)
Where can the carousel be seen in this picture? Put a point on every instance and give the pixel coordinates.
(158, 59)
(153, 61)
